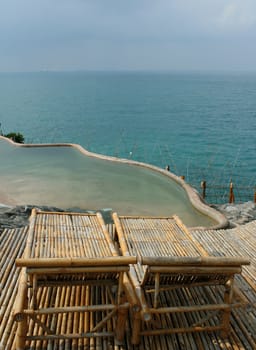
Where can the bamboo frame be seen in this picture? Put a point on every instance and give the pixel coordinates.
(232, 242)
(184, 264)
(71, 252)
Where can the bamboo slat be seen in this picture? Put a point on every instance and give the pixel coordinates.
(240, 241)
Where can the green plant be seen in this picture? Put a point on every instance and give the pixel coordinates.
(16, 137)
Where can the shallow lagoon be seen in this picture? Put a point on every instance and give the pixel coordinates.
(66, 178)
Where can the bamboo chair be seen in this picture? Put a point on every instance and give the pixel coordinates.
(170, 261)
(65, 251)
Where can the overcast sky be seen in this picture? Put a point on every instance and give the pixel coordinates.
(127, 35)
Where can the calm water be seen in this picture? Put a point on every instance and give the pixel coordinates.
(202, 125)
(63, 177)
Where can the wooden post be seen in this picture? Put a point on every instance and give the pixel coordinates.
(255, 196)
(231, 193)
(203, 186)
(182, 177)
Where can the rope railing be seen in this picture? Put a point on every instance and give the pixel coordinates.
(220, 190)
(229, 193)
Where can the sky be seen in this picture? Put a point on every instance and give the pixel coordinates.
(167, 35)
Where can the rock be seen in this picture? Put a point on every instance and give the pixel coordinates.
(238, 214)
(15, 217)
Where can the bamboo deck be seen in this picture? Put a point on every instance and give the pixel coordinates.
(234, 242)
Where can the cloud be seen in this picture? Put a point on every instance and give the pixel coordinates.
(237, 16)
(136, 33)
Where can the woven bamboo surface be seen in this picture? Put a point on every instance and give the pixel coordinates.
(157, 237)
(243, 321)
(240, 241)
(62, 235)
(12, 244)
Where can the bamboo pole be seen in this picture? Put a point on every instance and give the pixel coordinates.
(87, 314)
(122, 313)
(136, 328)
(107, 235)
(192, 308)
(69, 262)
(65, 309)
(194, 261)
(77, 297)
(197, 270)
(71, 336)
(180, 330)
(71, 316)
(77, 270)
(228, 296)
(22, 301)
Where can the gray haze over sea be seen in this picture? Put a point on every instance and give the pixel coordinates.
(201, 124)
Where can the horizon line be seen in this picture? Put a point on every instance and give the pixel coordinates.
(158, 71)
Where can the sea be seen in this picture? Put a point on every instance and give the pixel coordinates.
(201, 125)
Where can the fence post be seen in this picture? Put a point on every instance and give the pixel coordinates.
(203, 186)
(231, 193)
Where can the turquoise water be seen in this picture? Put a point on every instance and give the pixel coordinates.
(202, 125)
(65, 178)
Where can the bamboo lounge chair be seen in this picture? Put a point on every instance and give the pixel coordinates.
(70, 260)
(175, 280)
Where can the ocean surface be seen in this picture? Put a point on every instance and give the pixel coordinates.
(202, 125)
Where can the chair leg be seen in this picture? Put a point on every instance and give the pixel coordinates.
(20, 317)
(122, 315)
(228, 296)
(136, 328)
(21, 334)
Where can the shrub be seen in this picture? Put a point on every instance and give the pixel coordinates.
(16, 137)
